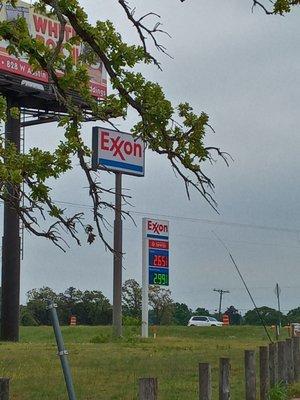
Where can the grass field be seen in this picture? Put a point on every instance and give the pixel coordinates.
(108, 369)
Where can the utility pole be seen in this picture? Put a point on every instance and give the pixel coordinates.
(277, 293)
(221, 291)
(117, 284)
(11, 241)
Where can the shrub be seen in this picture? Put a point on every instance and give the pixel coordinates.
(278, 392)
(131, 321)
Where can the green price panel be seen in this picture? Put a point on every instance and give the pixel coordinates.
(159, 276)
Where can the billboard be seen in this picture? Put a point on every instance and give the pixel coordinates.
(118, 152)
(156, 238)
(46, 30)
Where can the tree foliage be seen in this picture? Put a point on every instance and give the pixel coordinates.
(201, 311)
(160, 301)
(90, 307)
(273, 7)
(132, 299)
(175, 131)
(293, 315)
(162, 305)
(269, 316)
(93, 308)
(235, 317)
(181, 313)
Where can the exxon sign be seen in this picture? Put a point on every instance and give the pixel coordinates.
(157, 229)
(118, 152)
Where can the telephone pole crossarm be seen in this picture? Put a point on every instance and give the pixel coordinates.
(221, 292)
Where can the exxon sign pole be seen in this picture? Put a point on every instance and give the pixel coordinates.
(120, 153)
(155, 261)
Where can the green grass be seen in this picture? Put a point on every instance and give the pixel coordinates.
(108, 369)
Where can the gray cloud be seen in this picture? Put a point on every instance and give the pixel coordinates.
(243, 69)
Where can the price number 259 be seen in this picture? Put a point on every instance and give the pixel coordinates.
(160, 279)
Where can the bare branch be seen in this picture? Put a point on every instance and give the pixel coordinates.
(141, 28)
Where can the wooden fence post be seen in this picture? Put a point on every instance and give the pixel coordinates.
(296, 353)
(224, 379)
(290, 360)
(4, 388)
(264, 376)
(204, 381)
(273, 363)
(148, 389)
(250, 375)
(282, 366)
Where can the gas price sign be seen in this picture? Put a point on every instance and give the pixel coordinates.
(157, 251)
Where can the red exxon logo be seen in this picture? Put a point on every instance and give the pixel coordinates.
(120, 147)
(157, 227)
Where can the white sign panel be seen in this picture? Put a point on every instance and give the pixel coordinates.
(157, 229)
(118, 151)
(155, 263)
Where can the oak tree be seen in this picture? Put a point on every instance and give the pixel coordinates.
(173, 131)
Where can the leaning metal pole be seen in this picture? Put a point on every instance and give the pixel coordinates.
(62, 352)
(117, 281)
(10, 297)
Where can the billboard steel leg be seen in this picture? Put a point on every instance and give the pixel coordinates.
(117, 283)
(10, 297)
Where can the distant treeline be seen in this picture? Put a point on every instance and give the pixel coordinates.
(93, 308)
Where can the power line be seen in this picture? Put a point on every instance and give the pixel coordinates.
(245, 284)
(193, 219)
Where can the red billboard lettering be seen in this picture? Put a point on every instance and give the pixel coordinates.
(104, 141)
(119, 146)
(128, 148)
(51, 28)
(116, 147)
(40, 24)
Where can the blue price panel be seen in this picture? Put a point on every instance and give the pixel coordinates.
(158, 258)
(159, 276)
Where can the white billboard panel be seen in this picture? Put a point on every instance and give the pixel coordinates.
(46, 30)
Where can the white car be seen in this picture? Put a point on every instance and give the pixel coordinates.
(204, 321)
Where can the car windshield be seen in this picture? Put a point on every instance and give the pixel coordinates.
(212, 319)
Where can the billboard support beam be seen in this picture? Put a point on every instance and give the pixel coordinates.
(118, 255)
(10, 297)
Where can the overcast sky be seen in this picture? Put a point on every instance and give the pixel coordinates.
(242, 68)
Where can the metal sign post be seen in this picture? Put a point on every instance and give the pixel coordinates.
(155, 261)
(62, 352)
(120, 153)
